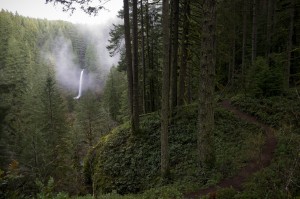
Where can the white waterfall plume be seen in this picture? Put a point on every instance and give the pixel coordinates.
(80, 85)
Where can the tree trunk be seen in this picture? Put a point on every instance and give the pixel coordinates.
(165, 91)
(233, 47)
(231, 65)
(206, 90)
(135, 86)
(128, 57)
(143, 60)
(184, 53)
(289, 46)
(174, 66)
(245, 13)
(269, 26)
(150, 58)
(254, 32)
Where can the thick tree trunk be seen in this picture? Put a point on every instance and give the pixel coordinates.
(254, 32)
(143, 60)
(165, 91)
(184, 53)
(174, 66)
(206, 90)
(135, 86)
(128, 57)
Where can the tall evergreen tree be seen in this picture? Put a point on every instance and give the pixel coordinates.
(207, 85)
(289, 45)
(174, 51)
(165, 109)
(254, 31)
(184, 52)
(128, 59)
(135, 66)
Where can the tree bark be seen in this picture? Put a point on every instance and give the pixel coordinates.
(231, 65)
(184, 54)
(206, 90)
(143, 60)
(233, 46)
(174, 66)
(269, 26)
(128, 58)
(150, 58)
(245, 13)
(254, 32)
(135, 86)
(165, 91)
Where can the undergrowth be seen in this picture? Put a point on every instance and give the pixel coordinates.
(282, 178)
(276, 111)
(123, 166)
(126, 164)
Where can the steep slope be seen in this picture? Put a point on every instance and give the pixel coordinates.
(129, 164)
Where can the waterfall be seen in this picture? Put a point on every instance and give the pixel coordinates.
(80, 85)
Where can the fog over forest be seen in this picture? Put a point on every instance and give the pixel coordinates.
(68, 71)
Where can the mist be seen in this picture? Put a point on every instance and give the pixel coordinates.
(66, 64)
(67, 72)
(99, 36)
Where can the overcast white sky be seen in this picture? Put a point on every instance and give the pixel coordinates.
(38, 9)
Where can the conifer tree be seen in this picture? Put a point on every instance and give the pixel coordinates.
(206, 88)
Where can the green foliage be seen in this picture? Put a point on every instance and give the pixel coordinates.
(264, 79)
(226, 193)
(36, 128)
(11, 182)
(276, 111)
(116, 36)
(46, 190)
(281, 178)
(162, 192)
(130, 164)
(46, 140)
(116, 95)
(84, 197)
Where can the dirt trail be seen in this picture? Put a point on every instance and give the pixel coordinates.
(253, 166)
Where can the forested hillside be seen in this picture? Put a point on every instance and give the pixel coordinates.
(45, 133)
(203, 101)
